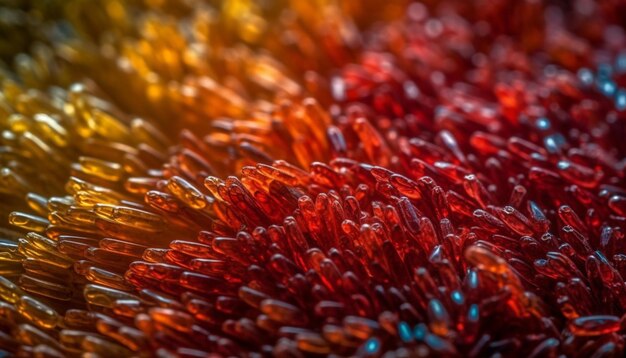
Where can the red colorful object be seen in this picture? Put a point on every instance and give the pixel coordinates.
(359, 179)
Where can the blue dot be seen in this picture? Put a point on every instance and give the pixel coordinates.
(538, 157)
(372, 345)
(607, 87)
(585, 76)
(437, 307)
(420, 331)
(472, 279)
(563, 165)
(457, 297)
(543, 123)
(405, 332)
(620, 100)
(554, 142)
(473, 314)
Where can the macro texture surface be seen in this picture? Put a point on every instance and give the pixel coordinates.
(298, 178)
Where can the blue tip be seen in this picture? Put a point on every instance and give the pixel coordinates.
(372, 346)
(585, 76)
(543, 123)
(620, 100)
(607, 87)
(474, 313)
(405, 332)
(420, 331)
(457, 297)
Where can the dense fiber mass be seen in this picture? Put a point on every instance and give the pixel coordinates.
(305, 178)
